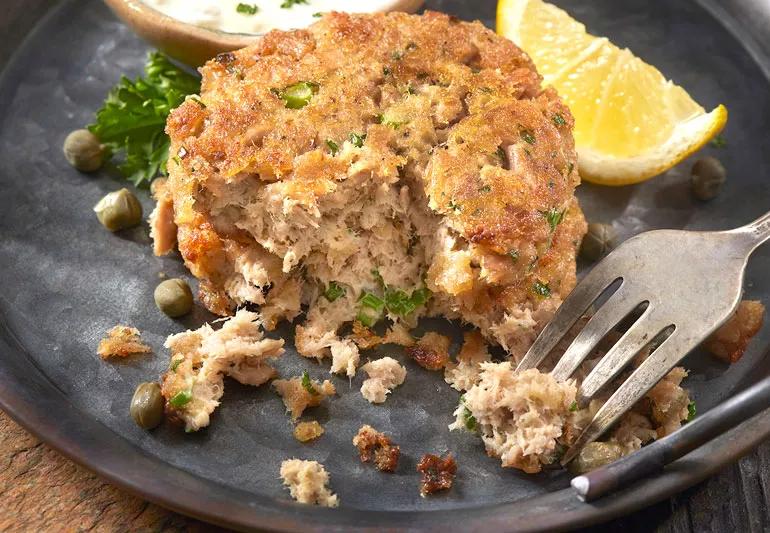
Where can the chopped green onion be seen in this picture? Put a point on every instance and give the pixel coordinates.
(175, 364)
(357, 140)
(333, 146)
(691, 411)
(541, 289)
(469, 419)
(247, 9)
(378, 278)
(454, 207)
(554, 217)
(288, 4)
(181, 398)
(528, 136)
(559, 120)
(307, 384)
(318, 15)
(573, 406)
(298, 95)
(333, 291)
(370, 310)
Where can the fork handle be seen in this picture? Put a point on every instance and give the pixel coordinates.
(758, 231)
(655, 456)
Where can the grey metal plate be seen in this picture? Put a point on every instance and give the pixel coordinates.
(66, 281)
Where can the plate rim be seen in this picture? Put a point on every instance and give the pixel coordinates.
(19, 374)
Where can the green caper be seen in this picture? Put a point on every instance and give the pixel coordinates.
(594, 455)
(708, 177)
(84, 151)
(599, 240)
(119, 210)
(174, 297)
(147, 405)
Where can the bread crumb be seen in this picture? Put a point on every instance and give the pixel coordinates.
(122, 341)
(306, 431)
(307, 482)
(384, 375)
(438, 473)
(730, 341)
(431, 351)
(299, 393)
(377, 447)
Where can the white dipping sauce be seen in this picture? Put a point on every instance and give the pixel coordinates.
(223, 15)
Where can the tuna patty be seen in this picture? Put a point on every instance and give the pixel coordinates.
(372, 165)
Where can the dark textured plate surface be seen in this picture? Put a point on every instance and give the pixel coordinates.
(66, 281)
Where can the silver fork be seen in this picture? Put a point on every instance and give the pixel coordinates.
(691, 282)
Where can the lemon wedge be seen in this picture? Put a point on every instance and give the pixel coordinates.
(630, 122)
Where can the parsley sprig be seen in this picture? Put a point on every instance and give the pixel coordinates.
(132, 120)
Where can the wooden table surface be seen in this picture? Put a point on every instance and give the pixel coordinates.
(42, 491)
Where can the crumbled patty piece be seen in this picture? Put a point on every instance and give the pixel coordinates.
(378, 448)
(431, 351)
(306, 431)
(384, 375)
(122, 341)
(308, 482)
(438, 473)
(421, 165)
(299, 393)
(464, 373)
(731, 339)
(200, 359)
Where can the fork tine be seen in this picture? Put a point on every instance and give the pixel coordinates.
(572, 308)
(615, 309)
(644, 330)
(652, 370)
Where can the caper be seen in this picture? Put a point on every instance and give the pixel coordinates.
(119, 210)
(599, 240)
(83, 150)
(708, 176)
(595, 454)
(147, 405)
(174, 297)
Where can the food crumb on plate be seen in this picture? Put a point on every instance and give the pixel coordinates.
(431, 351)
(308, 482)
(378, 448)
(122, 341)
(299, 393)
(438, 473)
(384, 375)
(730, 341)
(307, 431)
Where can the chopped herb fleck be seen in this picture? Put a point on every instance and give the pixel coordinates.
(570, 168)
(528, 136)
(386, 71)
(396, 56)
(501, 154)
(410, 90)
(485, 188)
(573, 406)
(554, 217)
(333, 146)
(370, 310)
(691, 411)
(469, 419)
(357, 140)
(247, 9)
(307, 384)
(175, 364)
(514, 255)
(288, 4)
(197, 99)
(454, 207)
(719, 141)
(318, 15)
(559, 120)
(541, 289)
(181, 398)
(333, 291)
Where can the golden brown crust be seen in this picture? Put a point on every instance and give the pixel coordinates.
(122, 341)
(430, 352)
(378, 448)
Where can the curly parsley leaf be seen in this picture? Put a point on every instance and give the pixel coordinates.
(132, 120)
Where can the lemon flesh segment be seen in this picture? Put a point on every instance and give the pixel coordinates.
(631, 123)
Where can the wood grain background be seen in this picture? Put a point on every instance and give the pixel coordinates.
(42, 491)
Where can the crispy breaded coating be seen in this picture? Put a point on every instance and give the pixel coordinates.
(421, 148)
(438, 473)
(732, 338)
(307, 431)
(122, 341)
(378, 448)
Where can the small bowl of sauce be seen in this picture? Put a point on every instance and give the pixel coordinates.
(194, 31)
